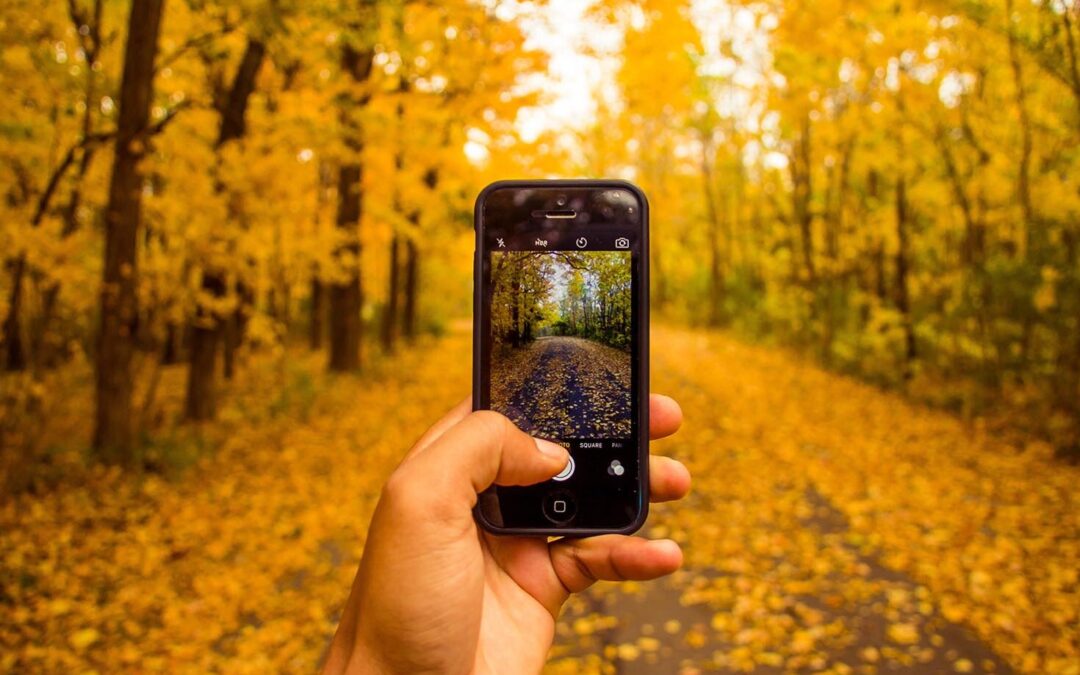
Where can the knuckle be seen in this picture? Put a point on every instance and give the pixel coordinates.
(410, 494)
(401, 489)
(397, 486)
(490, 422)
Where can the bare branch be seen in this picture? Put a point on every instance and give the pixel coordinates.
(88, 145)
(192, 43)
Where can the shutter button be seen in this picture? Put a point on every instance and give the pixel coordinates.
(567, 471)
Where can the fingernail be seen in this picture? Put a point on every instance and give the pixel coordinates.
(666, 545)
(550, 449)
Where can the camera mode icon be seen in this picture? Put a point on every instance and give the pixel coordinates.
(622, 242)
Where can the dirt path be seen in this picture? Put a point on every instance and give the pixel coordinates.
(566, 387)
(672, 627)
(837, 528)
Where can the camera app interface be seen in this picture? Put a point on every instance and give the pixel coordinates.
(561, 337)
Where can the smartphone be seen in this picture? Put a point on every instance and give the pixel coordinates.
(561, 347)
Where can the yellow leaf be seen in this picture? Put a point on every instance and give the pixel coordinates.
(648, 644)
(903, 633)
(82, 639)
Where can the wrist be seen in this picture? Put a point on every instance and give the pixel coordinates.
(353, 658)
(366, 661)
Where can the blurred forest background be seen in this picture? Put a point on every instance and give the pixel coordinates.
(215, 207)
(890, 187)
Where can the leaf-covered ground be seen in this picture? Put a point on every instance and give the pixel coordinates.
(564, 387)
(832, 527)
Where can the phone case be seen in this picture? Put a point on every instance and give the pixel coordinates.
(643, 339)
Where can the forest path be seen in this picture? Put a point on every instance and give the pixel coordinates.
(832, 527)
(567, 387)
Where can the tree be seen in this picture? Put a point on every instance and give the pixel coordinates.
(88, 26)
(209, 329)
(346, 298)
(113, 433)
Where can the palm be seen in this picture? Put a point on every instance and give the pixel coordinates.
(515, 626)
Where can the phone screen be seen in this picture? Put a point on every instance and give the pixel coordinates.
(560, 283)
(562, 339)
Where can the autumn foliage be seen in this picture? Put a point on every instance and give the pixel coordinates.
(236, 252)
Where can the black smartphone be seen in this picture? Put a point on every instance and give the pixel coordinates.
(561, 347)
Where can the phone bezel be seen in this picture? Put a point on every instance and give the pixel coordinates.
(641, 339)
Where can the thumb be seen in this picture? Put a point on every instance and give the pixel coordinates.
(484, 449)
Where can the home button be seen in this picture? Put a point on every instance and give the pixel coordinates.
(560, 507)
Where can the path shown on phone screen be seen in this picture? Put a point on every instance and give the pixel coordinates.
(564, 387)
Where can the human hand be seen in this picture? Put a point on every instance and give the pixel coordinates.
(434, 593)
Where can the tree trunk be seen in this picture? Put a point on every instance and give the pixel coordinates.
(903, 293)
(235, 325)
(201, 390)
(412, 261)
(515, 314)
(412, 278)
(318, 315)
(390, 316)
(230, 342)
(903, 238)
(208, 329)
(803, 194)
(716, 274)
(1023, 179)
(393, 289)
(113, 437)
(14, 349)
(234, 124)
(1070, 49)
(201, 400)
(173, 344)
(346, 296)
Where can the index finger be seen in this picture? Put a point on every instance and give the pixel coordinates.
(456, 414)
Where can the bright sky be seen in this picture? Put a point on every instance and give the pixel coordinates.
(562, 29)
(584, 60)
